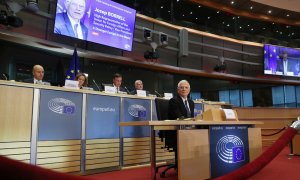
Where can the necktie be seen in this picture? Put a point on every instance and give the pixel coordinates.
(188, 112)
(75, 30)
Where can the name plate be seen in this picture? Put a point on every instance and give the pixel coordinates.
(70, 84)
(168, 95)
(141, 93)
(229, 114)
(290, 73)
(110, 89)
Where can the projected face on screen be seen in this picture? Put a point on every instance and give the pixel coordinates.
(100, 21)
(75, 8)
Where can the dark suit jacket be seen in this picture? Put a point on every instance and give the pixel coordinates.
(291, 66)
(177, 109)
(63, 26)
(30, 80)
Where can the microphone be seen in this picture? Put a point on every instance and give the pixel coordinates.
(127, 90)
(5, 76)
(159, 95)
(96, 85)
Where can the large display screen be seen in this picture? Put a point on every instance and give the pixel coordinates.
(280, 60)
(100, 21)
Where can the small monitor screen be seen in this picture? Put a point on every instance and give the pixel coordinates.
(99, 21)
(282, 61)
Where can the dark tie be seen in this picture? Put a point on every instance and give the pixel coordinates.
(188, 112)
(75, 30)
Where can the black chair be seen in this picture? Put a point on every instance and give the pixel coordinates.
(169, 137)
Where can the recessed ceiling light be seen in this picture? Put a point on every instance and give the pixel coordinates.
(161, 7)
(218, 12)
(273, 23)
(293, 33)
(228, 25)
(252, 29)
(183, 15)
(269, 11)
(240, 27)
(251, 7)
(287, 15)
(208, 17)
(232, 2)
(191, 12)
(196, 18)
(177, 0)
(199, 6)
(223, 22)
(248, 25)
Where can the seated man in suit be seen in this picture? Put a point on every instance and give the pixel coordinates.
(38, 75)
(138, 85)
(117, 82)
(180, 107)
(68, 23)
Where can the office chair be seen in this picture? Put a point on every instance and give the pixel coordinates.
(166, 136)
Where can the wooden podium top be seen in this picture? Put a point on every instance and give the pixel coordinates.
(178, 123)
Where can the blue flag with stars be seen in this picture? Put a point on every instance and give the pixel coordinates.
(74, 68)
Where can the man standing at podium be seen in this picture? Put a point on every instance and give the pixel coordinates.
(180, 106)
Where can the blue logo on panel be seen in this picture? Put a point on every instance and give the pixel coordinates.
(137, 110)
(61, 106)
(230, 149)
(238, 154)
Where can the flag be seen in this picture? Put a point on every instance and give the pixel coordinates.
(74, 68)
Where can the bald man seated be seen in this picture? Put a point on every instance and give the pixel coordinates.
(38, 75)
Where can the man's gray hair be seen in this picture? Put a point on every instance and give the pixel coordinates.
(183, 81)
(138, 81)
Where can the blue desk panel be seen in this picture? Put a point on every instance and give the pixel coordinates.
(136, 110)
(59, 115)
(229, 149)
(103, 117)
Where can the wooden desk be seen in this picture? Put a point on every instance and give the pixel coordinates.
(198, 172)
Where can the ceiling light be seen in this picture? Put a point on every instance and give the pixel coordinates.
(218, 12)
(269, 11)
(183, 15)
(232, 2)
(251, 7)
(191, 12)
(161, 7)
(252, 29)
(228, 25)
(240, 27)
(177, 0)
(199, 6)
(287, 15)
(208, 17)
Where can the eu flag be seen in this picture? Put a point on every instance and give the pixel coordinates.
(74, 68)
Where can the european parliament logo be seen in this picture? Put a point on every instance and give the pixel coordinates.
(230, 149)
(137, 110)
(61, 106)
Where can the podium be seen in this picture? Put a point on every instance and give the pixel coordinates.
(196, 157)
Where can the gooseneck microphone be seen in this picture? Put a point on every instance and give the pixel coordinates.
(5, 76)
(96, 85)
(159, 95)
(127, 90)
